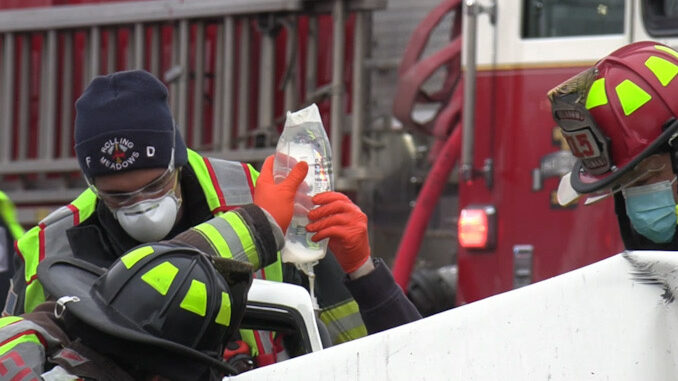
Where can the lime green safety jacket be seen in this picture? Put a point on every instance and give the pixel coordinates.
(8, 216)
(210, 187)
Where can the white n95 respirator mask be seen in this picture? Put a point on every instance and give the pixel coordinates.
(150, 220)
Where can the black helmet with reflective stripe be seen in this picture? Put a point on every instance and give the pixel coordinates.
(173, 298)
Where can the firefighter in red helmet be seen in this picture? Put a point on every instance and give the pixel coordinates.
(619, 118)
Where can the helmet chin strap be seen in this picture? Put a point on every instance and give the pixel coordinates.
(673, 152)
(672, 143)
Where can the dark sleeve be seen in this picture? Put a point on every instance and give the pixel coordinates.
(7, 252)
(383, 305)
(14, 302)
(43, 315)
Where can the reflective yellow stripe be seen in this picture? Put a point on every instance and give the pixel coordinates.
(343, 310)
(198, 164)
(8, 213)
(29, 247)
(631, 96)
(245, 237)
(196, 298)
(224, 315)
(597, 96)
(31, 338)
(344, 322)
(667, 50)
(664, 70)
(34, 296)
(254, 174)
(247, 336)
(134, 256)
(9, 320)
(348, 335)
(352, 334)
(86, 203)
(161, 277)
(215, 238)
(274, 270)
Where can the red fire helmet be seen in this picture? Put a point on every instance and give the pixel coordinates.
(618, 112)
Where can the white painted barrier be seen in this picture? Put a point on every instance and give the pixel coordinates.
(595, 323)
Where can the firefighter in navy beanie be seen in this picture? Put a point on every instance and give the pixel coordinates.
(146, 186)
(125, 135)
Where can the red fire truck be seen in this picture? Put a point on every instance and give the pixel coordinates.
(234, 68)
(495, 118)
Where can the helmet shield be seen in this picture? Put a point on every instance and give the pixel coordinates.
(586, 140)
(618, 113)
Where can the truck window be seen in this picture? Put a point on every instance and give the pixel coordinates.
(564, 18)
(660, 17)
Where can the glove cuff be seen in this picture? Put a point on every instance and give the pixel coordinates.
(350, 267)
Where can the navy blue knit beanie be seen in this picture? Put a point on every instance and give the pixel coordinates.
(123, 122)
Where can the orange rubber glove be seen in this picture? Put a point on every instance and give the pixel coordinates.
(340, 220)
(278, 199)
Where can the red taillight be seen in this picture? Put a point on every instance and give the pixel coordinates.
(476, 227)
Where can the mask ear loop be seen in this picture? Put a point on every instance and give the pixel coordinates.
(177, 195)
(673, 152)
(174, 144)
(644, 174)
(90, 185)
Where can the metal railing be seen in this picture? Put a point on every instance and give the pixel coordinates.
(217, 57)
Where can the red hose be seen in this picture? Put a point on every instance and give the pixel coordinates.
(426, 202)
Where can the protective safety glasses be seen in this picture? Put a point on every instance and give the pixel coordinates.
(156, 188)
(164, 183)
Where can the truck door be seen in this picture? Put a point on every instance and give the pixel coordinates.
(518, 153)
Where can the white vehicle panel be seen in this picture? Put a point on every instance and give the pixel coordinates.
(594, 323)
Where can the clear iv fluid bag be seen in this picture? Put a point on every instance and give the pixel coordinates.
(304, 139)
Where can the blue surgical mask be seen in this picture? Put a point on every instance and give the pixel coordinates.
(652, 210)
